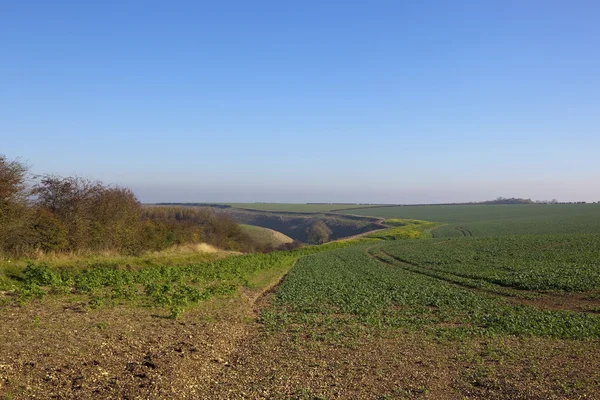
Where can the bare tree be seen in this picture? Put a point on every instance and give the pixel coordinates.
(71, 200)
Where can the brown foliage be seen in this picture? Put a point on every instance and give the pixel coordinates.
(77, 214)
(191, 224)
(48, 232)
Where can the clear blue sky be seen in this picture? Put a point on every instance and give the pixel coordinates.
(294, 101)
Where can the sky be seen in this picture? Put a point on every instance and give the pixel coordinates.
(307, 101)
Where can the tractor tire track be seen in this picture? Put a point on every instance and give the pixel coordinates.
(502, 287)
(573, 302)
(463, 230)
(410, 267)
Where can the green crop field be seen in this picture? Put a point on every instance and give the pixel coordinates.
(368, 285)
(532, 262)
(510, 309)
(491, 220)
(299, 208)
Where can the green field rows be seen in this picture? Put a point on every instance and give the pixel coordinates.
(493, 220)
(366, 285)
(537, 262)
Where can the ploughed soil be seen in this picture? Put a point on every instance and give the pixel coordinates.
(61, 351)
(57, 348)
(400, 365)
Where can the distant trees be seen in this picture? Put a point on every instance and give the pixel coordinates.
(290, 246)
(553, 201)
(512, 200)
(318, 232)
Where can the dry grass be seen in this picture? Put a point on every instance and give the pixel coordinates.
(176, 255)
(266, 236)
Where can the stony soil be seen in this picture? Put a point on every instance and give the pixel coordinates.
(59, 349)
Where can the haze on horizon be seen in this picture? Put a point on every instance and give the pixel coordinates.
(375, 102)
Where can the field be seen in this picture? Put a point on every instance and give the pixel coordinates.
(510, 317)
(158, 327)
(297, 208)
(443, 301)
(511, 311)
(492, 220)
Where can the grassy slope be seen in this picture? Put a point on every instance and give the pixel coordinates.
(266, 236)
(295, 225)
(175, 286)
(174, 256)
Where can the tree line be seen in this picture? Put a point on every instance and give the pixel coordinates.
(51, 213)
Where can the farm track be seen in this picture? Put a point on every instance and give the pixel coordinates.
(262, 299)
(410, 267)
(499, 288)
(574, 302)
(463, 230)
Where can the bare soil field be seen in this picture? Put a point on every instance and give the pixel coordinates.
(222, 350)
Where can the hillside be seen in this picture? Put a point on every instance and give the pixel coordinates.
(265, 237)
(297, 207)
(295, 225)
